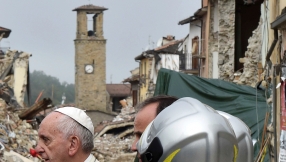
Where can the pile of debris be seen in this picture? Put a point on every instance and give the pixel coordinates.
(113, 139)
(17, 137)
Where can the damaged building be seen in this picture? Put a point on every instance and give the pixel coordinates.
(242, 41)
(166, 55)
(224, 40)
(134, 82)
(17, 136)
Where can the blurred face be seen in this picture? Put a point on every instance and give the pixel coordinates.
(52, 145)
(142, 119)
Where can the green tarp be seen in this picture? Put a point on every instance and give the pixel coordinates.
(247, 103)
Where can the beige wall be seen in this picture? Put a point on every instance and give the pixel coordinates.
(273, 13)
(205, 37)
(144, 71)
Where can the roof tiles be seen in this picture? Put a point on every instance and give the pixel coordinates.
(90, 7)
(118, 90)
(6, 31)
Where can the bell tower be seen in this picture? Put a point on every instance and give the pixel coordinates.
(90, 59)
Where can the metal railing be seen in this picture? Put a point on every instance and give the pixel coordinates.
(186, 61)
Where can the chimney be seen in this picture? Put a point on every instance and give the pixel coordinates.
(170, 37)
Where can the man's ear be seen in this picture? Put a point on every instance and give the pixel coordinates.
(74, 145)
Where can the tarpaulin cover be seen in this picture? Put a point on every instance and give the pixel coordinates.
(245, 102)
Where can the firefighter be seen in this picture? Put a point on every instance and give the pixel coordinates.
(188, 131)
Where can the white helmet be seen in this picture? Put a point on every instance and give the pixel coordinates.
(243, 137)
(188, 131)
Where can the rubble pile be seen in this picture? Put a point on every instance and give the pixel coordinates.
(113, 139)
(17, 137)
(250, 75)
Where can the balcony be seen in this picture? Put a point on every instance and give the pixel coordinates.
(190, 64)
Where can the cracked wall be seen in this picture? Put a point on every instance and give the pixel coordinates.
(18, 79)
(226, 38)
(252, 59)
(222, 41)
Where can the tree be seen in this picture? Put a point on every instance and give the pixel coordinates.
(52, 88)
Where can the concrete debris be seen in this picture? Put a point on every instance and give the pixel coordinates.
(113, 139)
(18, 123)
(13, 78)
(12, 156)
(16, 137)
(113, 125)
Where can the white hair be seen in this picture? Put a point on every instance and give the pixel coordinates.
(69, 126)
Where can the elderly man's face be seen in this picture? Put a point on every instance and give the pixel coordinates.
(52, 145)
(142, 119)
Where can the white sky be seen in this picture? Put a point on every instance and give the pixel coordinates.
(47, 28)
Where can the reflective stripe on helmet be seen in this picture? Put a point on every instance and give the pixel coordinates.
(235, 153)
(171, 156)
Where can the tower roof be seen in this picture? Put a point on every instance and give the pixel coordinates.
(6, 31)
(90, 7)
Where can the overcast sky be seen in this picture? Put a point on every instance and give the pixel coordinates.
(47, 28)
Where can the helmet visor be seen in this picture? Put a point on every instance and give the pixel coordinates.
(149, 148)
(154, 151)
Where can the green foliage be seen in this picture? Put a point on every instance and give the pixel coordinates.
(52, 88)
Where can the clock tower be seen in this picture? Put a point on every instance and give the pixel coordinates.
(90, 59)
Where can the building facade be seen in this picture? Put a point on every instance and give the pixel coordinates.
(167, 55)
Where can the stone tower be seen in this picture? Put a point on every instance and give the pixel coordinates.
(90, 59)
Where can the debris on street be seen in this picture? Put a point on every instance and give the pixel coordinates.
(16, 137)
(113, 139)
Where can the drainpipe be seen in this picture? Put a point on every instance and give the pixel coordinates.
(138, 93)
(274, 112)
(268, 61)
(200, 44)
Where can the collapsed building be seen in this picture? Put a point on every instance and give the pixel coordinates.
(17, 136)
(239, 41)
(19, 123)
(167, 54)
(242, 41)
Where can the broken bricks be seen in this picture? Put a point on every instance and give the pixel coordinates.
(113, 140)
(16, 136)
